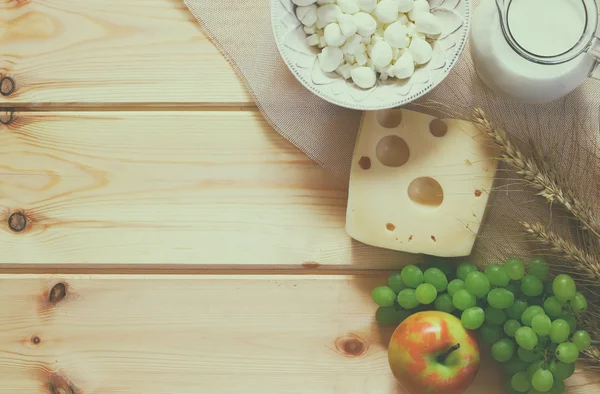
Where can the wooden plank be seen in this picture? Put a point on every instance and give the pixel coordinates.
(182, 188)
(280, 334)
(196, 334)
(111, 51)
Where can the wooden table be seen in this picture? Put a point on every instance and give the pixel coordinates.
(157, 235)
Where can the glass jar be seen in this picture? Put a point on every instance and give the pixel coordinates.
(535, 51)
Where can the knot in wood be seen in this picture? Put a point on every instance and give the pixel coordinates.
(7, 86)
(311, 265)
(351, 345)
(59, 385)
(17, 222)
(6, 115)
(58, 292)
(36, 340)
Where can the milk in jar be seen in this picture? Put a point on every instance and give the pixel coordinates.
(534, 51)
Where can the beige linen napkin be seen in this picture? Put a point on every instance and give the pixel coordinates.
(566, 131)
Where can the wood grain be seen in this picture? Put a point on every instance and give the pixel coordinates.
(111, 51)
(232, 334)
(184, 188)
(190, 334)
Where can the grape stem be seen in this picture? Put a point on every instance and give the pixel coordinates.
(442, 357)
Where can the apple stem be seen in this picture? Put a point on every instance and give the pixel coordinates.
(442, 357)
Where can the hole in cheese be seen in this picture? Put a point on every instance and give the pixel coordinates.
(390, 227)
(392, 151)
(426, 191)
(438, 128)
(364, 162)
(389, 118)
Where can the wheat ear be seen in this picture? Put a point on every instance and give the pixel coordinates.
(586, 264)
(592, 356)
(538, 174)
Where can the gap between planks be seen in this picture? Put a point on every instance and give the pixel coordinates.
(183, 270)
(132, 107)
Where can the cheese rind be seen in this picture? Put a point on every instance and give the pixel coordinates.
(396, 204)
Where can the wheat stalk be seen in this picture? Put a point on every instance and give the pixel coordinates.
(592, 356)
(539, 174)
(586, 264)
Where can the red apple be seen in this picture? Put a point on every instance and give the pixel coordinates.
(431, 352)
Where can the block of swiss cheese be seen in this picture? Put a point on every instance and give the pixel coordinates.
(419, 184)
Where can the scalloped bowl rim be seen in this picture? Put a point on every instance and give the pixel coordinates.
(378, 104)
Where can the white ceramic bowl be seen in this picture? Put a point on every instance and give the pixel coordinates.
(301, 59)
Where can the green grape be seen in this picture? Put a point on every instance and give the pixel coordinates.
(564, 288)
(526, 338)
(541, 324)
(412, 276)
(383, 296)
(408, 299)
(560, 370)
(511, 327)
(385, 315)
(529, 356)
(455, 286)
(553, 307)
(493, 316)
(465, 269)
(437, 278)
(571, 321)
(463, 300)
(567, 352)
(559, 331)
(514, 365)
(490, 334)
(531, 286)
(520, 382)
(426, 293)
(529, 313)
(477, 284)
(542, 380)
(514, 287)
(578, 303)
(533, 367)
(395, 282)
(500, 298)
(443, 265)
(515, 268)
(388, 315)
(515, 311)
(503, 350)
(472, 318)
(497, 275)
(558, 387)
(444, 303)
(582, 340)
(538, 267)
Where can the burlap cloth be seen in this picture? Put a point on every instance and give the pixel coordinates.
(567, 131)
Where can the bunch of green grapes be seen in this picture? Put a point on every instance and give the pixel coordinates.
(529, 319)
